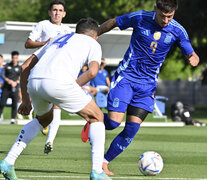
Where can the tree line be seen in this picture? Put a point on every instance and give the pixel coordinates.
(191, 14)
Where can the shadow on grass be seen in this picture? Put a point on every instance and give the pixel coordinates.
(49, 171)
(3, 152)
(70, 172)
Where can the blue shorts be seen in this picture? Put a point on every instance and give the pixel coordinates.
(124, 92)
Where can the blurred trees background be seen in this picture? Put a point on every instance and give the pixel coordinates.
(192, 14)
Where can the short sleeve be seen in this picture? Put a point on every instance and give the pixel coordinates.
(128, 20)
(95, 53)
(36, 32)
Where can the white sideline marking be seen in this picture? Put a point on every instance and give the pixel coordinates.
(86, 177)
(83, 122)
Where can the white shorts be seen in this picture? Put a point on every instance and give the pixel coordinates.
(46, 92)
(102, 88)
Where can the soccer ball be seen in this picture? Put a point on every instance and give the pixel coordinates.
(150, 163)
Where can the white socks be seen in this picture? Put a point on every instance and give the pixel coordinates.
(104, 160)
(28, 132)
(97, 140)
(54, 125)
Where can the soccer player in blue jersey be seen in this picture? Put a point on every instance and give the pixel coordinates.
(135, 81)
(102, 81)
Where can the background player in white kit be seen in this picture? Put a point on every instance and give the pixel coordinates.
(43, 32)
(50, 77)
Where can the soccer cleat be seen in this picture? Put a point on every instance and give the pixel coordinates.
(19, 116)
(45, 131)
(8, 171)
(85, 132)
(13, 121)
(48, 148)
(99, 176)
(106, 170)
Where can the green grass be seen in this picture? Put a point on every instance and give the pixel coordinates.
(200, 114)
(183, 150)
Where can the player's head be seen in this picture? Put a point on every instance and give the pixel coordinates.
(15, 57)
(165, 11)
(103, 62)
(1, 59)
(57, 11)
(87, 26)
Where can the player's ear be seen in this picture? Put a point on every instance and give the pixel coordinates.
(49, 13)
(64, 14)
(95, 37)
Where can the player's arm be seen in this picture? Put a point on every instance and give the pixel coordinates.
(108, 81)
(193, 59)
(107, 26)
(26, 107)
(89, 74)
(35, 44)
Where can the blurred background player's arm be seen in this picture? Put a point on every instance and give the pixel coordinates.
(108, 82)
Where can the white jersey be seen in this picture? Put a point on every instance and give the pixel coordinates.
(45, 29)
(64, 56)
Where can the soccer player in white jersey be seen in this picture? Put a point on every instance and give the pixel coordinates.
(43, 32)
(49, 77)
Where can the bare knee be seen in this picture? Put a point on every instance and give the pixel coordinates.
(92, 113)
(116, 116)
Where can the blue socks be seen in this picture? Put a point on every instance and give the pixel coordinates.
(120, 143)
(109, 123)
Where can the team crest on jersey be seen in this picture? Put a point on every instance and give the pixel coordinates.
(168, 38)
(16, 69)
(157, 35)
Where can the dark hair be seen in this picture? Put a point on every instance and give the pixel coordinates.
(1, 55)
(85, 25)
(62, 2)
(13, 53)
(167, 6)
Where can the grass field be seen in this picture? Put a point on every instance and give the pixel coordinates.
(200, 114)
(183, 150)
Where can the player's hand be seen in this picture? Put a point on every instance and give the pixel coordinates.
(49, 39)
(25, 108)
(193, 59)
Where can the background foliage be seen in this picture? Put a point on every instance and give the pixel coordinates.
(191, 14)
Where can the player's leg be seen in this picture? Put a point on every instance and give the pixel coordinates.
(53, 128)
(115, 115)
(29, 131)
(94, 116)
(72, 98)
(140, 104)
(14, 97)
(4, 97)
(19, 116)
(135, 116)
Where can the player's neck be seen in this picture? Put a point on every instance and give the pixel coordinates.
(55, 23)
